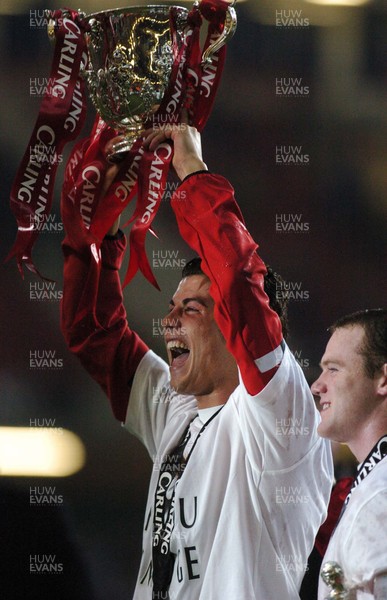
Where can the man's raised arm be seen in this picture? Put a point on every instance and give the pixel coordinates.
(93, 318)
(210, 221)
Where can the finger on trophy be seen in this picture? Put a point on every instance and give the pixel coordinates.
(157, 134)
(114, 167)
(115, 227)
(113, 156)
(154, 137)
(184, 118)
(110, 176)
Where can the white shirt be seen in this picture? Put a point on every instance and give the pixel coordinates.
(252, 495)
(204, 415)
(359, 543)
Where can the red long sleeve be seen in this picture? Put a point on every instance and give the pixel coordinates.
(210, 221)
(93, 320)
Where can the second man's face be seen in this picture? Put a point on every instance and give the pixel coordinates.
(346, 393)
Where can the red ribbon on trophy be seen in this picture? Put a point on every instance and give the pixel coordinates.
(60, 120)
(87, 214)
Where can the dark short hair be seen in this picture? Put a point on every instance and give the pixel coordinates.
(272, 280)
(374, 347)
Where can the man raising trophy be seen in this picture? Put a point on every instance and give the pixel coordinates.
(213, 527)
(209, 415)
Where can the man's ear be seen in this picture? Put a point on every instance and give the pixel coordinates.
(381, 382)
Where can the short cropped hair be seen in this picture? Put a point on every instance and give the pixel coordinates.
(374, 347)
(272, 281)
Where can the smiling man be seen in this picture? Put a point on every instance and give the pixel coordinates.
(241, 479)
(352, 391)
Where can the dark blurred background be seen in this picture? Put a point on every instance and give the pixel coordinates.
(316, 88)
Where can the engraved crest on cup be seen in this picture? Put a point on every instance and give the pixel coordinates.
(131, 54)
(333, 576)
(130, 62)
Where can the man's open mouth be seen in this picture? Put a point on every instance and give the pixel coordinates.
(179, 352)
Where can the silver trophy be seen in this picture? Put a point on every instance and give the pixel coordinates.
(131, 53)
(333, 576)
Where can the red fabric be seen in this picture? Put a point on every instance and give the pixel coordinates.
(338, 495)
(100, 336)
(210, 221)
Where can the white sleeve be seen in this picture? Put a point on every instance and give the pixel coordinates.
(366, 547)
(280, 423)
(152, 402)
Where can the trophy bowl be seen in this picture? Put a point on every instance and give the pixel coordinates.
(131, 54)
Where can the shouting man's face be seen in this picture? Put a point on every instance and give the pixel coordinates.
(200, 363)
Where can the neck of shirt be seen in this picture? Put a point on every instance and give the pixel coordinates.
(204, 415)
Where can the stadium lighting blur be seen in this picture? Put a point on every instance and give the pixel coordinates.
(40, 452)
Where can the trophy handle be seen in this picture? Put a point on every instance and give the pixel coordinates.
(230, 25)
